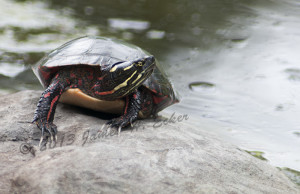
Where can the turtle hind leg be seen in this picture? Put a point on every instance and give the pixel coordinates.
(138, 102)
(44, 113)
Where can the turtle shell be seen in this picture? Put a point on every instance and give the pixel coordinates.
(104, 52)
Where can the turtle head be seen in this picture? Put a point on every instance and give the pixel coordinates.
(123, 78)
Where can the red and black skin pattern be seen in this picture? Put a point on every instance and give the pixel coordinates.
(89, 80)
(140, 100)
(44, 114)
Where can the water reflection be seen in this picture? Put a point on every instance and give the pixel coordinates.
(121, 24)
(246, 53)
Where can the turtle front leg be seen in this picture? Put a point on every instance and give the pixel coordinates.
(134, 103)
(44, 114)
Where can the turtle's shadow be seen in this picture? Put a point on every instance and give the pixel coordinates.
(88, 112)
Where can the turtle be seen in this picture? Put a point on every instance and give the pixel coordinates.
(103, 74)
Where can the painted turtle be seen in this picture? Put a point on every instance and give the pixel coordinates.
(103, 74)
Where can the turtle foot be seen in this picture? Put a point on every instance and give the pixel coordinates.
(121, 122)
(47, 129)
(131, 111)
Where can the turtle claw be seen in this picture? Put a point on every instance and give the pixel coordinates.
(112, 124)
(118, 123)
(121, 122)
(49, 128)
(131, 122)
(41, 140)
(119, 130)
(53, 138)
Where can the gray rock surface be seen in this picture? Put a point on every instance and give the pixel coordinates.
(173, 158)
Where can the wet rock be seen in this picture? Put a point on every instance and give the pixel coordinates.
(87, 158)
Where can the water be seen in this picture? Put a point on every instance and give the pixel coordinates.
(240, 58)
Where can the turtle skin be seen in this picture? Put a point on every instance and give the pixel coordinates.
(81, 63)
(84, 78)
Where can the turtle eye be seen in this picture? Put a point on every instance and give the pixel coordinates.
(140, 63)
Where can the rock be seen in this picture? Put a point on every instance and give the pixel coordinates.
(87, 158)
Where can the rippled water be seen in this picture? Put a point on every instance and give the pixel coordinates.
(235, 63)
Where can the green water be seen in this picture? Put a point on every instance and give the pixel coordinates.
(234, 63)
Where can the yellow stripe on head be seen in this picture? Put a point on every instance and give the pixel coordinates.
(113, 69)
(124, 83)
(138, 77)
(128, 67)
